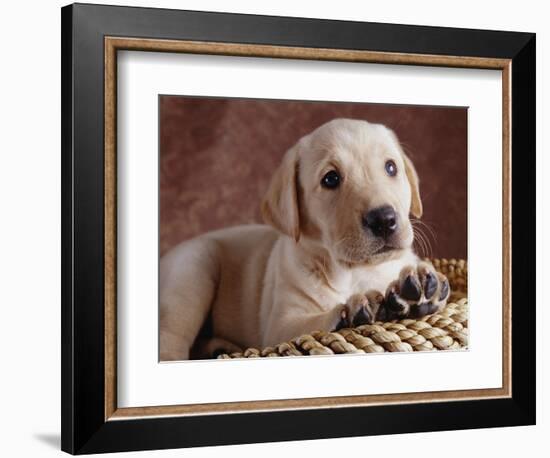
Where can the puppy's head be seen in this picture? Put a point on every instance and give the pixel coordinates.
(348, 185)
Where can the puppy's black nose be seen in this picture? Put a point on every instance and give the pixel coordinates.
(381, 221)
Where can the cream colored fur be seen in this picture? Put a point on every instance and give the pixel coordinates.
(264, 284)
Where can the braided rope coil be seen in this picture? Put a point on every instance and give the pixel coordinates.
(445, 330)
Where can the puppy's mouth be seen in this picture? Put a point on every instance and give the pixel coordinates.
(384, 249)
(383, 253)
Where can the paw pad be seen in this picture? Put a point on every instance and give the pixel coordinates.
(430, 284)
(411, 289)
(419, 291)
(356, 312)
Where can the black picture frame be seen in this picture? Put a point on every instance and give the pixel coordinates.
(84, 427)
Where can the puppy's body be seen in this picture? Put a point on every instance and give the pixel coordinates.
(219, 273)
(319, 259)
(259, 287)
(303, 288)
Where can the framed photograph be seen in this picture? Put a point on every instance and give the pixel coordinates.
(282, 228)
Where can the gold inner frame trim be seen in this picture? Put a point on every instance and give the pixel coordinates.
(114, 44)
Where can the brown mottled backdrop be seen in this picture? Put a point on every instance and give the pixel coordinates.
(217, 156)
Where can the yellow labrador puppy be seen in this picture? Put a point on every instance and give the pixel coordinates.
(336, 251)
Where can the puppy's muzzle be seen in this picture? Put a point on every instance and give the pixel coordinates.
(382, 221)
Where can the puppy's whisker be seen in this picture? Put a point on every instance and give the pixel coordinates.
(420, 244)
(427, 245)
(419, 239)
(430, 243)
(416, 241)
(423, 226)
(427, 227)
(426, 233)
(423, 241)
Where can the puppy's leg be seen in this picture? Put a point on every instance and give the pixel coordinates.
(420, 290)
(356, 311)
(188, 282)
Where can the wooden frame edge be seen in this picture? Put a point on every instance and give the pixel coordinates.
(291, 52)
(110, 196)
(131, 413)
(507, 227)
(111, 46)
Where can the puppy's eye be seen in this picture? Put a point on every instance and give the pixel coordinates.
(331, 180)
(391, 168)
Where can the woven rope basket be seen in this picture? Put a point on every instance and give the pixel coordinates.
(446, 330)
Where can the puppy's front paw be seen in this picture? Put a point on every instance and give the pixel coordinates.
(356, 311)
(419, 291)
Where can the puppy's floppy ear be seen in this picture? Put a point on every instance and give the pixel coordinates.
(416, 203)
(280, 204)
